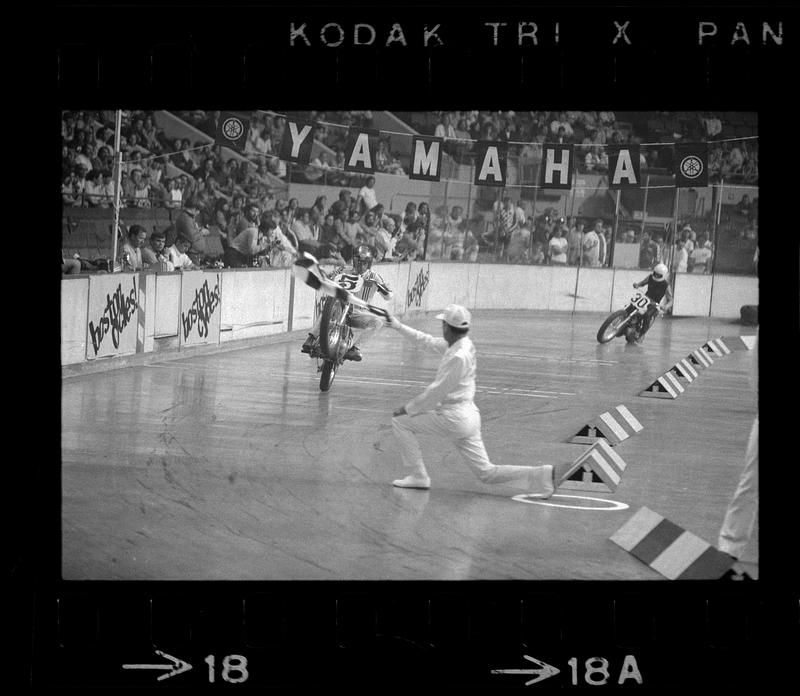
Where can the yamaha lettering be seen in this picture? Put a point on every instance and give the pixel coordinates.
(417, 290)
(117, 315)
(359, 151)
(623, 167)
(297, 141)
(205, 302)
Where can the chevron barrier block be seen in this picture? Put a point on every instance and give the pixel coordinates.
(717, 346)
(599, 468)
(684, 369)
(700, 359)
(669, 549)
(665, 387)
(613, 426)
(746, 342)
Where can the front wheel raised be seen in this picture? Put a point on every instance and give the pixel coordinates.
(327, 376)
(610, 327)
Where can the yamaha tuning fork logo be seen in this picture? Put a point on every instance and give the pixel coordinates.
(232, 128)
(691, 166)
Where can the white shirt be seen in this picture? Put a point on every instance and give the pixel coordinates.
(177, 259)
(455, 378)
(368, 194)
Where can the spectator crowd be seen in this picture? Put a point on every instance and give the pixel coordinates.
(232, 212)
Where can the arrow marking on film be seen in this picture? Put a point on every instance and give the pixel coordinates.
(545, 672)
(177, 666)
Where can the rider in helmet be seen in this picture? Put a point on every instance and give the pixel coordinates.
(657, 288)
(366, 321)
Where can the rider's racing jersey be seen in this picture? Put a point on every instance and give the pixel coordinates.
(656, 289)
(372, 282)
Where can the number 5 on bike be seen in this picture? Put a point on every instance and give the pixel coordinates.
(636, 318)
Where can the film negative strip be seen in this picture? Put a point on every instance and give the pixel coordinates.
(535, 623)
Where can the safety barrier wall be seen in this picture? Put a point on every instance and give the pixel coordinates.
(110, 316)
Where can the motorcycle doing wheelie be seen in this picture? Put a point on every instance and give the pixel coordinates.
(630, 321)
(335, 331)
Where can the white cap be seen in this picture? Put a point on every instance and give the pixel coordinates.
(456, 316)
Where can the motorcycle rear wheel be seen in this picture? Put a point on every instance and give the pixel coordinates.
(610, 327)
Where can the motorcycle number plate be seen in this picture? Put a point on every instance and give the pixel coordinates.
(351, 283)
(640, 301)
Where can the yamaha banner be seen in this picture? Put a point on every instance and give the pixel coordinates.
(298, 137)
(691, 165)
(558, 164)
(426, 158)
(232, 131)
(623, 166)
(359, 150)
(490, 162)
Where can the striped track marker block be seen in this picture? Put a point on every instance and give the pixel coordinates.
(665, 387)
(670, 550)
(683, 369)
(613, 426)
(699, 358)
(599, 468)
(718, 347)
(740, 342)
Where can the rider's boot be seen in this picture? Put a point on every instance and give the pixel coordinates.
(354, 353)
(309, 344)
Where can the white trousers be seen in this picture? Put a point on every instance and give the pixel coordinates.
(740, 516)
(461, 425)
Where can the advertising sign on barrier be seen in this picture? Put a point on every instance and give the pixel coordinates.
(112, 325)
(201, 294)
(418, 281)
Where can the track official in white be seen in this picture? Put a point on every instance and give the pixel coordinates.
(446, 408)
(740, 517)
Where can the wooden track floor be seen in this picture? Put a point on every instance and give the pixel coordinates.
(234, 466)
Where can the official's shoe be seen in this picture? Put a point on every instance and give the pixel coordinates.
(413, 482)
(353, 354)
(309, 344)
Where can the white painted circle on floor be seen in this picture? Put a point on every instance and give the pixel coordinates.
(525, 498)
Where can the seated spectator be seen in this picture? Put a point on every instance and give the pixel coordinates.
(93, 189)
(301, 228)
(680, 259)
(178, 256)
(131, 255)
(453, 235)
(367, 199)
(590, 245)
(155, 256)
(282, 248)
(369, 230)
(407, 247)
(395, 167)
(558, 247)
(70, 266)
(186, 227)
(518, 246)
(648, 251)
(181, 157)
(385, 240)
(382, 156)
(343, 203)
(745, 207)
(537, 254)
(561, 127)
(69, 195)
(701, 257)
(320, 206)
(292, 209)
(141, 192)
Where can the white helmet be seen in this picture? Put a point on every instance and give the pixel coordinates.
(660, 272)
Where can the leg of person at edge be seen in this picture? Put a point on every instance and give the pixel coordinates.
(446, 408)
(657, 288)
(364, 321)
(740, 516)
